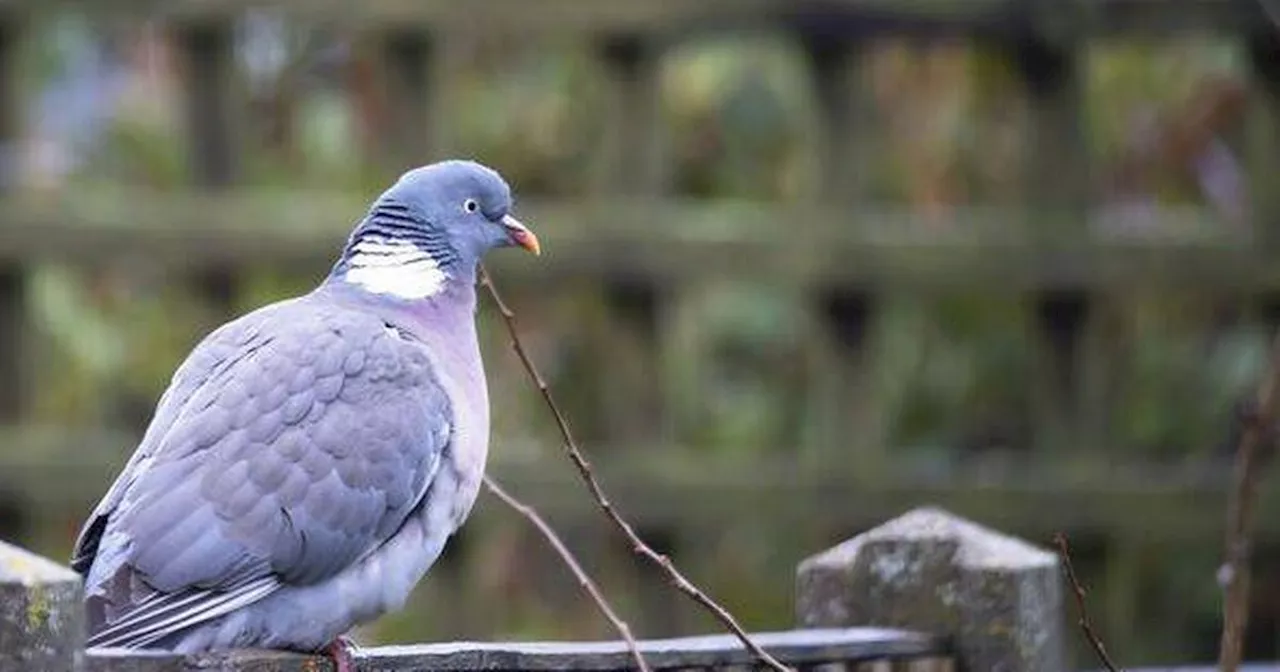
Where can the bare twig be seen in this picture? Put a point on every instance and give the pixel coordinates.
(566, 555)
(1086, 626)
(1235, 572)
(588, 478)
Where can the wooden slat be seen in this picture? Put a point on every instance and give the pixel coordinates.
(845, 107)
(1055, 173)
(840, 378)
(406, 57)
(632, 159)
(559, 15)
(206, 51)
(1055, 152)
(13, 276)
(1092, 17)
(60, 476)
(795, 647)
(1263, 136)
(209, 101)
(1260, 667)
(13, 337)
(978, 248)
(1122, 588)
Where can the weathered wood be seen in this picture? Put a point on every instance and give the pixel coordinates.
(845, 107)
(41, 617)
(13, 334)
(214, 156)
(582, 15)
(850, 426)
(796, 647)
(13, 25)
(683, 357)
(1097, 17)
(1055, 152)
(206, 50)
(1263, 133)
(847, 422)
(999, 597)
(1056, 177)
(61, 478)
(1123, 588)
(1264, 667)
(118, 660)
(977, 249)
(1060, 318)
(632, 160)
(13, 310)
(254, 661)
(627, 336)
(407, 57)
(632, 154)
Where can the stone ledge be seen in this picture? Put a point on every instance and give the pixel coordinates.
(41, 618)
(796, 648)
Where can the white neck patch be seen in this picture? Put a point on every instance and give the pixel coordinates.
(396, 268)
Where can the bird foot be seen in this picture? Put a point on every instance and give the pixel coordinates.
(342, 651)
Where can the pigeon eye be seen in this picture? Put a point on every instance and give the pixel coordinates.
(470, 205)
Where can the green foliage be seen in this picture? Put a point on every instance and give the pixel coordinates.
(739, 116)
(955, 370)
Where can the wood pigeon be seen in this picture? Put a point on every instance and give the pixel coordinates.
(309, 460)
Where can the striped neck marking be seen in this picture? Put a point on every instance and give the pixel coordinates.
(396, 268)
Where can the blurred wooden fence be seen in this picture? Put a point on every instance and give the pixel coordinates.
(653, 251)
(924, 592)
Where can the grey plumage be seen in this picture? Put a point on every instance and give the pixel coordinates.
(309, 460)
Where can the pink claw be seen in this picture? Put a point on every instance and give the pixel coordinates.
(342, 651)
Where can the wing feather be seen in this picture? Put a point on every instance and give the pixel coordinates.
(161, 619)
(278, 461)
(209, 358)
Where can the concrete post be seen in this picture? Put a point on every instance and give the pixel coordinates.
(998, 598)
(41, 614)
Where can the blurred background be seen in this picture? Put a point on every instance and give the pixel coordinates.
(806, 265)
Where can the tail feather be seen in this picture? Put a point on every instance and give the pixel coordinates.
(159, 617)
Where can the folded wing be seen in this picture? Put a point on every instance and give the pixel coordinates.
(285, 459)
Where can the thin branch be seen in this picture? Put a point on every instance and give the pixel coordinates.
(1235, 573)
(638, 545)
(567, 556)
(1086, 626)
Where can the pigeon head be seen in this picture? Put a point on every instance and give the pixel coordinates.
(431, 228)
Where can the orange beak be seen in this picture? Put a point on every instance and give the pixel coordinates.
(521, 234)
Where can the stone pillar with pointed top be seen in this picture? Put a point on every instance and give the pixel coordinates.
(41, 613)
(997, 597)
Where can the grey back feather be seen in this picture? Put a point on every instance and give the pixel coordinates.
(291, 443)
